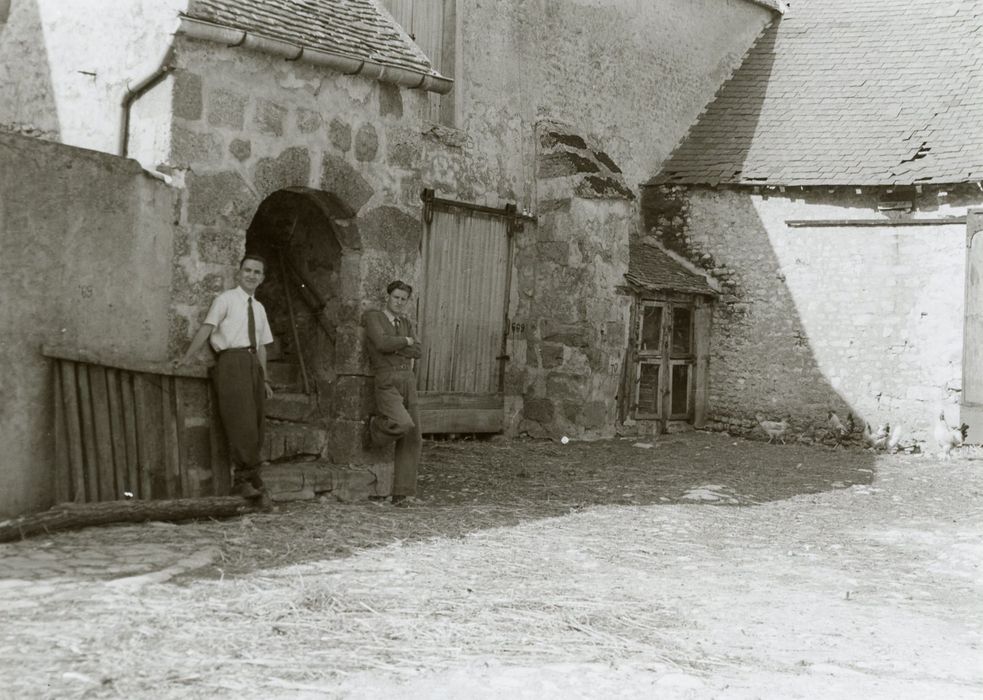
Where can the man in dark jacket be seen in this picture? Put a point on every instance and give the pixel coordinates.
(392, 348)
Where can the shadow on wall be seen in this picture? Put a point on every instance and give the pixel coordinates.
(22, 42)
(762, 361)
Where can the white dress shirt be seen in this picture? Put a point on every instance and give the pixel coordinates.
(229, 314)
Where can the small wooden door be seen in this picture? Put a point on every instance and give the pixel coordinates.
(971, 406)
(462, 319)
(671, 357)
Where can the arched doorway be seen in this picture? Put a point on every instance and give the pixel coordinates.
(293, 230)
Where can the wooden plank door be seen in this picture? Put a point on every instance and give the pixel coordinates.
(462, 310)
(971, 405)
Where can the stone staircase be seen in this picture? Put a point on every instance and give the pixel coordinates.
(296, 447)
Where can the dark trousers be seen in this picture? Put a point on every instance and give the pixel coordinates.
(398, 420)
(238, 380)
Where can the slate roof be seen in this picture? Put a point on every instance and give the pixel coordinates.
(848, 92)
(652, 268)
(355, 28)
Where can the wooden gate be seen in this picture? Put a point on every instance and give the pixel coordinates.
(462, 317)
(122, 432)
(971, 405)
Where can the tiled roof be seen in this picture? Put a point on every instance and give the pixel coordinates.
(848, 92)
(652, 268)
(354, 28)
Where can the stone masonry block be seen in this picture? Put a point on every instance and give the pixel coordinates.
(352, 397)
(227, 108)
(576, 335)
(553, 251)
(538, 409)
(366, 143)
(595, 414)
(189, 147)
(350, 353)
(340, 178)
(269, 117)
(292, 168)
(284, 439)
(211, 196)
(564, 164)
(383, 472)
(187, 95)
(308, 121)
(241, 149)
(351, 484)
(562, 385)
(390, 101)
(290, 407)
(345, 438)
(551, 355)
(392, 230)
(340, 134)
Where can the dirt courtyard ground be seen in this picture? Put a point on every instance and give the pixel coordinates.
(701, 566)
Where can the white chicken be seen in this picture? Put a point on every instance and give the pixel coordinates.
(775, 430)
(878, 440)
(894, 439)
(947, 437)
(835, 427)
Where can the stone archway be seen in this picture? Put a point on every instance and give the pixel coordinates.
(312, 245)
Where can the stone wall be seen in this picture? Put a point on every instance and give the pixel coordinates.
(567, 280)
(87, 245)
(861, 319)
(230, 127)
(634, 74)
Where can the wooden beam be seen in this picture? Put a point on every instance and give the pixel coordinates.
(88, 434)
(461, 413)
(876, 223)
(71, 516)
(63, 467)
(108, 359)
(73, 428)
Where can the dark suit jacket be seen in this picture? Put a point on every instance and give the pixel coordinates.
(387, 348)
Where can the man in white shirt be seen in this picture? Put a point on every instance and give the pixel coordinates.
(238, 330)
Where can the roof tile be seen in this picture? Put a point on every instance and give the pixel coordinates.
(838, 79)
(355, 28)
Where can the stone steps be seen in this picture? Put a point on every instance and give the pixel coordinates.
(291, 440)
(305, 480)
(291, 406)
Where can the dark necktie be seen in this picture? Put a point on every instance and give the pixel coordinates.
(396, 326)
(252, 326)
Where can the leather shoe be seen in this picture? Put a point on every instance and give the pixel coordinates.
(247, 490)
(265, 500)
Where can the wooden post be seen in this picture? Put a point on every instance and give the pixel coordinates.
(118, 433)
(701, 342)
(130, 431)
(73, 429)
(971, 397)
(63, 469)
(88, 434)
(182, 475)
(148, 436)
(104, 444)
(169, 425)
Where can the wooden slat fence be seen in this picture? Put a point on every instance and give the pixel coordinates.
(123, 431)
